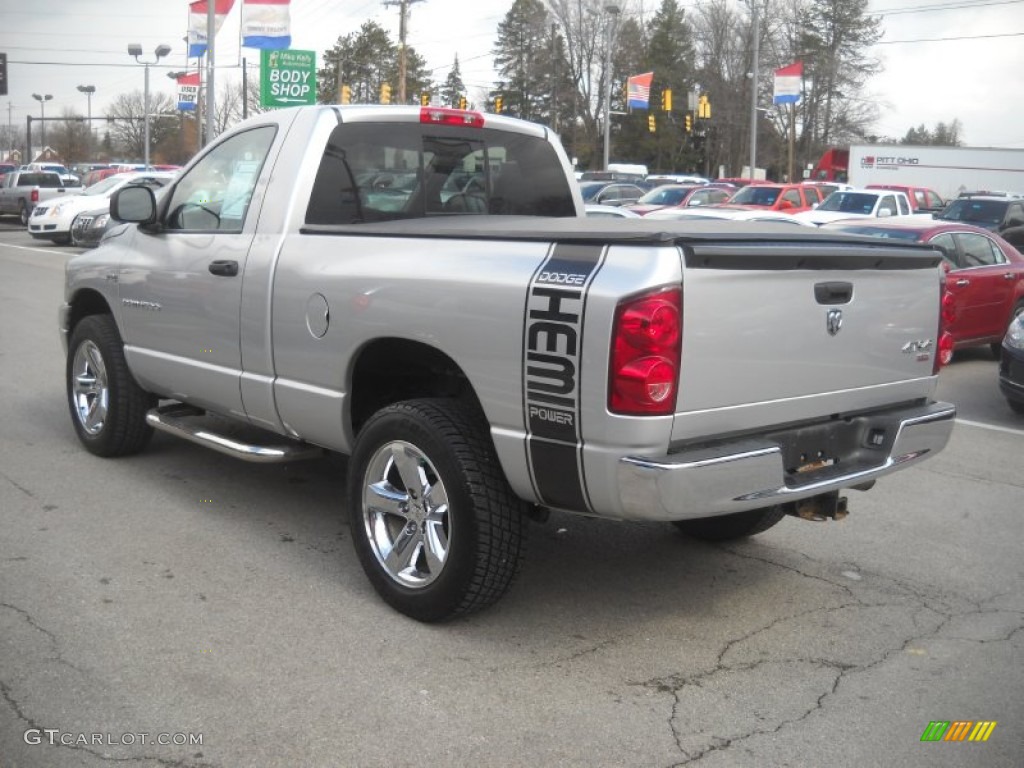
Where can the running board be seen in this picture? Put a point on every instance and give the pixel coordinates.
(173, 420)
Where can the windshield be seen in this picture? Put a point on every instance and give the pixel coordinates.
(849, 202)
(984, 212)
(104, 186)
(755, 195)
(664, 196)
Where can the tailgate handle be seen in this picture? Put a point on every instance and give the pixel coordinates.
(833, 293)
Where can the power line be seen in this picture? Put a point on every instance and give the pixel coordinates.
(955, 6)
(946, 39)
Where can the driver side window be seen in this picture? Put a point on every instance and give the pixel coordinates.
(214, 195)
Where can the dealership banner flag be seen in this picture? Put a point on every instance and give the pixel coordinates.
(789, 83)
(638, 90)
(197, 23)
(266, 24)
(188, 92)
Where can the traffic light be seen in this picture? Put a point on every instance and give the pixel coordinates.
(688, 123)
(346, 94)
(462, 102)
(666, 100)
(497, 104)
(385, 93)
(704, 108)
(425, 99)
(650, 124)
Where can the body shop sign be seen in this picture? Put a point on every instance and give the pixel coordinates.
(287, 78)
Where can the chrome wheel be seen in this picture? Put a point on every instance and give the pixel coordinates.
(405, 514)
(90, 392)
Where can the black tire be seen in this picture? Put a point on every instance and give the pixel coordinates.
(96, 370)
(734, 526)
(470, 522)
(23, 213)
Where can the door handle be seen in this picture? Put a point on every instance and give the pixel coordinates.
(963, 282)
(224, 268)
(1009, 276)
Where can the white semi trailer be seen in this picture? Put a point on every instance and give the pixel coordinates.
(947, 170)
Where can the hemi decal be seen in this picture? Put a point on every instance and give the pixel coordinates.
(552, 344)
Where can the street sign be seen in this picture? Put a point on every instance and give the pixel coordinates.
(188, 92)
(287, 78)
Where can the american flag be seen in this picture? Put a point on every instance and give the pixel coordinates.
(638, 90)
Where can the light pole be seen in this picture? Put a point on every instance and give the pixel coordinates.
(612, 10)
(88, 90)
(135, 50)
(42, 99)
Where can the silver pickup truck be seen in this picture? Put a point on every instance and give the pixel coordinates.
(417, 289)
(21, 191)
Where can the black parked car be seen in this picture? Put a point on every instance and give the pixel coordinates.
(88, 227)
(993, 212)
(1011, 365)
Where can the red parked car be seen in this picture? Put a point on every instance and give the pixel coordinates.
(985, 274)
(788, 198)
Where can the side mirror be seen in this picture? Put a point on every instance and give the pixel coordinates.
(814, 205)
(884, 213)
(786, 205)
(135, 204)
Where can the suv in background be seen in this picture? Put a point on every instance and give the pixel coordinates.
(993, 212)
(922, 199)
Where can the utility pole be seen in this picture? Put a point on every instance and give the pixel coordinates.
(403, 12)
(753, 93)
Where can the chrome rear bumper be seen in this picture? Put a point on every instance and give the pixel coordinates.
(750, 473)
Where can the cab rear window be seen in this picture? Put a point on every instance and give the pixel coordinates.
(374, 172)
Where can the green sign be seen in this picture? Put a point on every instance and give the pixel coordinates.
(287, 78)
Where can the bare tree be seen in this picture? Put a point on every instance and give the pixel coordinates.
(127, 127)
(70, 137)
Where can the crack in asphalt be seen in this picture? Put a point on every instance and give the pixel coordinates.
(21, 488)
(12, 702)
(57, 657)
(5, 693)
(940, 607)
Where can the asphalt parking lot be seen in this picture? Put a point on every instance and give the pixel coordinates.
(182, 594)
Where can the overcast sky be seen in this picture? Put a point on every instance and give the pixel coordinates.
(53, 46)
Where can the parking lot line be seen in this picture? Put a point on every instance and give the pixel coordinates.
(993, 427)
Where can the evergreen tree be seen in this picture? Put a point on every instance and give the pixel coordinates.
(453, 90)
(364, 61)
(523, 60)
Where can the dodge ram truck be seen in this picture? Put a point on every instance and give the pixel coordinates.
(21, 191)
(418, 289)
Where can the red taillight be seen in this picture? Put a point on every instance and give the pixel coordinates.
(449, 116)
(35, 196)
(947, 314)
(645, 354)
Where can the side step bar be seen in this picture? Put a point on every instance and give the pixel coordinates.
(173, 420)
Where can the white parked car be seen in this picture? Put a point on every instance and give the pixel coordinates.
(731, 214)
(857, 203)
(596, 210)
(52, 220)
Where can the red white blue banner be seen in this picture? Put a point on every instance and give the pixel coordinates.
(638, 90)
(197, 23)
(188, 92)
(789, 83)
(266, 24)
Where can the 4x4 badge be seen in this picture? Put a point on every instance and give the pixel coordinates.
(834, 321)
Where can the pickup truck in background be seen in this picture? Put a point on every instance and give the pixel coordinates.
(418, 289)
(21, 191)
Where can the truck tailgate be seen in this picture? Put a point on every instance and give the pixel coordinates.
(773, 323)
